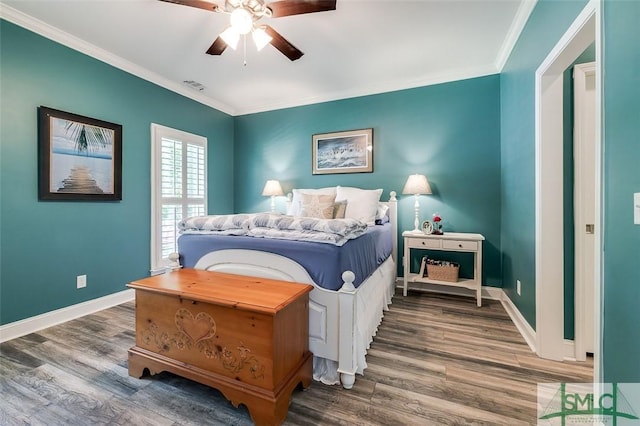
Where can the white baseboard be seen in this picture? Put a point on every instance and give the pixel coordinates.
(527, 332)
(39, 322)
(569, 350)
(492, 293)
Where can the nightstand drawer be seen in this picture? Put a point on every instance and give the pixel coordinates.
(459, 244)
(423, 243)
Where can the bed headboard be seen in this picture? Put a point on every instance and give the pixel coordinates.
(392, 213)
(393, 220)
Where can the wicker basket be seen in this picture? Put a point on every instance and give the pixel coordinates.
(443, 272)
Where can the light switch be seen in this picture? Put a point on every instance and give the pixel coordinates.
(636, 208)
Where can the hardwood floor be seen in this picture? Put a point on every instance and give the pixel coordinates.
(436, 359)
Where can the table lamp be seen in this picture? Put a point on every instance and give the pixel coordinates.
(272, 188)
(417, 184)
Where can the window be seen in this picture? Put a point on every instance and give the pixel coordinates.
(178, 187)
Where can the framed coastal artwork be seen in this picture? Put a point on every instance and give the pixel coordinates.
(80, 158)
(343, 152)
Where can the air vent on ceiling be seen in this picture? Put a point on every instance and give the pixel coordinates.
(194, 85)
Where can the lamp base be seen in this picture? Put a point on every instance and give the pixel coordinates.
(416, 222)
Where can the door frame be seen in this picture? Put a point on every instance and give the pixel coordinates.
(549, 265)
(580, 74)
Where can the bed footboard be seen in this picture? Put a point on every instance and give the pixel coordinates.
(347, 357)
(334, 316)
(328, 319)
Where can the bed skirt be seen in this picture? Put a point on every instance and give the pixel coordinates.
(372, 300)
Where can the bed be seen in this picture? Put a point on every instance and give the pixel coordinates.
(346, 304)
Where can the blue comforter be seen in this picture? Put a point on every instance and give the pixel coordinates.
(324, 262)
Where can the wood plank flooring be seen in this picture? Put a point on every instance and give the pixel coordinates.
(436, 359)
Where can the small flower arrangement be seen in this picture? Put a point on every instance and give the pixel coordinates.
(437, 224)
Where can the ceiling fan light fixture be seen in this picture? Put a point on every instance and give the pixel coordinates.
(261, 38)
(244, 17)
(242, 21)
(231, 37)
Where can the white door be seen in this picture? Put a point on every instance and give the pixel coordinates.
(584, 206)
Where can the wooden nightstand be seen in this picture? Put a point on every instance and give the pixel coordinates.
(450, 241)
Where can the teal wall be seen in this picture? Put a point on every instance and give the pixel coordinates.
(45, 245)
(621, 53)
(449, 132)
(621, 174)
(547, 23)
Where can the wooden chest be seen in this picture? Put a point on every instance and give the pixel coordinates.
(245, 336)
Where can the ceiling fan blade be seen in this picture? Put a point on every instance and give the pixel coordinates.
(299, 7)
(200, 4)
(217, 47)
(280, 43)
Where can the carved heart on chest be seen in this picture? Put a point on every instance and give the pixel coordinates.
(201, 327)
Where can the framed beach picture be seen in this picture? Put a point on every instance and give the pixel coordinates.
(343, 152)
(80, 158)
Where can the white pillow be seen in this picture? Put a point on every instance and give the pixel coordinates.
(296, 200)
(382, 211)
(362, 204)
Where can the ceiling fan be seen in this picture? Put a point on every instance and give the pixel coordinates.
(244, 17)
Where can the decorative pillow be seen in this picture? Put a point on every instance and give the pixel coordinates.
(319, 206)
(339, 209)
(382, 211)
(297, 197)
(362, 204)
(383, 220)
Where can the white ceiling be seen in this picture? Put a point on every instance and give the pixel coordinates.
(361, 48)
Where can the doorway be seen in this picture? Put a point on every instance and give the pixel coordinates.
(549, 267)
(584, 79)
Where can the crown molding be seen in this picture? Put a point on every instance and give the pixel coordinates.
(48, 31)
(393, 86)
(517, 25)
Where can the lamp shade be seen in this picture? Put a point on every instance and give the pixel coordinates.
(417, 184)
(272, 187)
(261, 38)
(231, 37)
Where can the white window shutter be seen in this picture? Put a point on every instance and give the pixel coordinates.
(179, 188)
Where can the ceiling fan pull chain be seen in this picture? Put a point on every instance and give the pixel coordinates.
(244, 48)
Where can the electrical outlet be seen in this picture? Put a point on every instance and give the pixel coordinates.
(636, 208)
(518, 287)
(81, 281)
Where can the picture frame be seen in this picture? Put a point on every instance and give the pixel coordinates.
(343, 152)
(427, 227)
(80, 158)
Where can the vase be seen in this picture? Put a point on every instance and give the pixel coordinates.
(437, 228)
